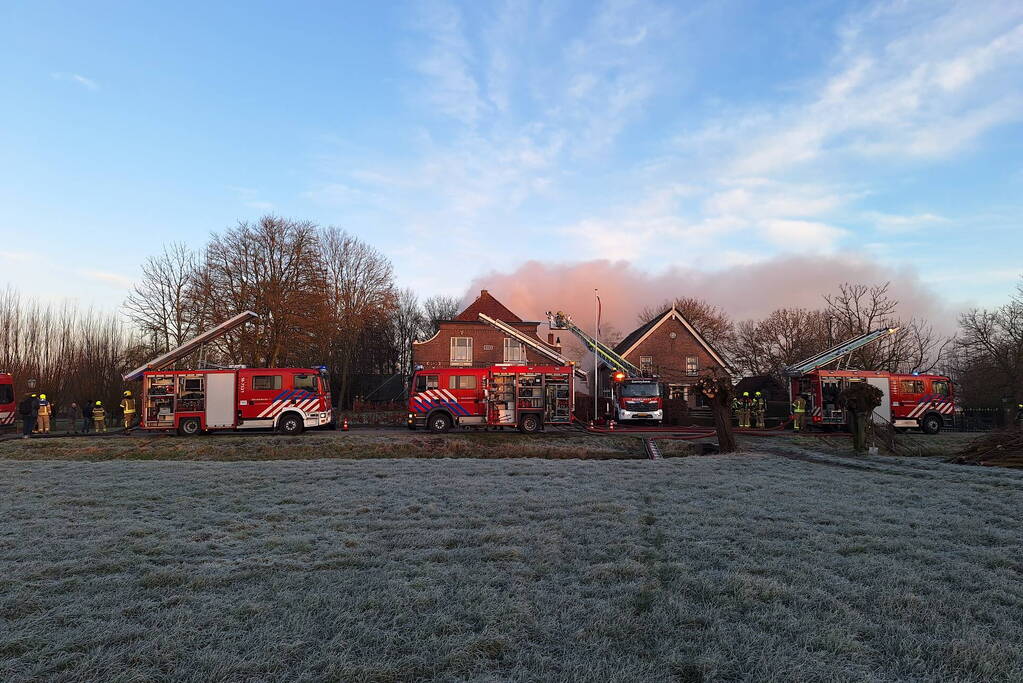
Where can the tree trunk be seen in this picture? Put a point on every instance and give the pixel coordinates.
(859, 431)
(723, 423)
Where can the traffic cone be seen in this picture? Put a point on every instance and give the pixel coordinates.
(344, 425)
(611, 425)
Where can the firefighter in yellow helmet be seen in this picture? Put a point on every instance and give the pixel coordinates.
(99, 417)
(128, 408)
(43, 416)
(799, 413)
(745, 406)
(759, 411)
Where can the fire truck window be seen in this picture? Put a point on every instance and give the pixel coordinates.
(306, 383)
(462, 382)
(940, 388)
(6, 393)
(911, 386)
(424, 382)
(266, 382)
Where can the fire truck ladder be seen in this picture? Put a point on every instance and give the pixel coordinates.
(561, 321)
(836, 352)
(534, 344)
(191, 345)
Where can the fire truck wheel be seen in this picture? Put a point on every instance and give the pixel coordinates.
(931, 424)
(440, 423)
(530, 424)
(290, 423)
(189, 427)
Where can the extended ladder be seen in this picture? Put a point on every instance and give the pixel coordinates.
(561, 321)
(836, 352)
(532, 343)
(191, 345)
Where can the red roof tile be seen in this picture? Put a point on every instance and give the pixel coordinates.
(488, 305)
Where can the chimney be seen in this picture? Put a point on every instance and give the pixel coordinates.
(550, 338)
(483, 292)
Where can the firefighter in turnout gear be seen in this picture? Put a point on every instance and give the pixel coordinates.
(737, 410)
(799, 413)
(43, 416)
(128, 408)
(99, 417)
(745, 406)
(759, 411)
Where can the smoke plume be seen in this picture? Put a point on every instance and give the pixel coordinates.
(742, 291)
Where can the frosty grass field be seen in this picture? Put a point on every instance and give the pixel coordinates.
(750, 567)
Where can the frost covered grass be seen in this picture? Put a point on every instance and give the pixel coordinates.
(399, 443)
(749, 567)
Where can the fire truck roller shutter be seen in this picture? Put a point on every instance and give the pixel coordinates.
(220, 400)
(882, 413)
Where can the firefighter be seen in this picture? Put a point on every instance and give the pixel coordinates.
(99, 417)
(737, 410)
(759, 411)
(799, 413)
(43, 416)
(128, 408)
(1019, 415)
(745, 406)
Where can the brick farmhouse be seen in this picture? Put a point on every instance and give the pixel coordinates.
(467, 341)
(671, 349)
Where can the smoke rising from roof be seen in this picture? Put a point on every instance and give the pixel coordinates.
(743, 291)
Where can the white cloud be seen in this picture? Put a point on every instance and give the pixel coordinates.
(113, 279)
(76, 78)
(790, 235)
(891, 222)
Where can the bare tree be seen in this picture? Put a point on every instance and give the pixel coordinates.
(437, 308)
(274, 268)
(409, 324)
(785, 336)
(710, 321)
(161, 303)
(991, 342)
(360, 295)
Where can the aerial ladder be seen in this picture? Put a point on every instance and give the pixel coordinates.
(837, 352)
(535, 344)
(626, 375)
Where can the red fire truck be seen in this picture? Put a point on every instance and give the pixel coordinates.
(504, 395)
(8, 404)
(235, 398)
(910, 400)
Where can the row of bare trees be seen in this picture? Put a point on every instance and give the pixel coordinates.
(323, 297)
(71, 353)
(788, 335)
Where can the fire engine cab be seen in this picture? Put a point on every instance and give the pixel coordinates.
(235, 398)
(505, 395)
(909, 401)
(8, 404)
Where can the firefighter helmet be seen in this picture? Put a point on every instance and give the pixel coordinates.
(99, 403)
(127, 394)
(758, 394)
(746, 394)
(42, 397)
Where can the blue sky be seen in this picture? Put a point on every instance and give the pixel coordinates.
(461, 138)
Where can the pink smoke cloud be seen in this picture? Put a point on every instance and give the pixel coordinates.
(743, 291)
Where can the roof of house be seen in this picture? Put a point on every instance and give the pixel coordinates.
(631, 340)
(485, 303)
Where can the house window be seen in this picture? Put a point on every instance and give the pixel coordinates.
(676, 391)
(692, 365)
(514, 351)
(646, 364)
(462, 382)
(266, 382)
(461, 350)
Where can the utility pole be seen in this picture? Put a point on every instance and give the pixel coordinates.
(596, 336)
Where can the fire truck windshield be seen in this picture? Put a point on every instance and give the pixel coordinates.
(646, 390)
